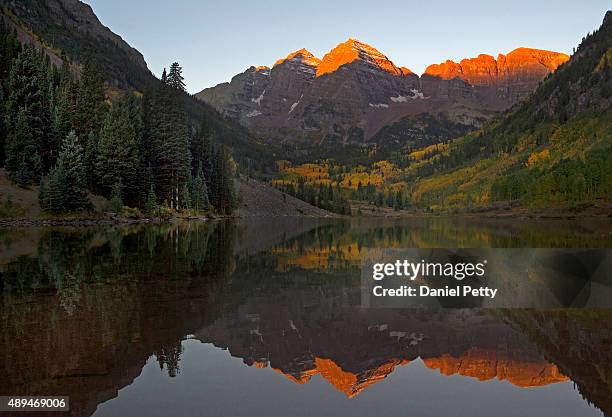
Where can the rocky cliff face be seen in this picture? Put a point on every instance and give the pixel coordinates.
(355, 90)
(72, 27)
(497, 83)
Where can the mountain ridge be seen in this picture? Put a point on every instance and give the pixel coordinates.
(552, 148)
(69, 30)
(355, 90)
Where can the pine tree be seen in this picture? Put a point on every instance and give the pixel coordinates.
(222, 193)
(64, 108)
(43, 195)
(27, 122)
(10, 47)
(91, 102)
(117, 158)
(91, 157)
(201, 151)
(116, 197)
(167, 135)
(151, 202)
(65, 189)
(186, 198)
(53, 189)
(175, 77)
(199, 194)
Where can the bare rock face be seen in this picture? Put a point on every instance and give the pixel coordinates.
(353, 81)
(355, 90)
(72, 27)
(240, 97)
(494, 83)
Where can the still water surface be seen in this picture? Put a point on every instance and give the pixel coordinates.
(263, 318)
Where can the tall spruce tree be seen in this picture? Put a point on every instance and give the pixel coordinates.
(168, 138)
(27, 121)
(91, 102)
(222, 194)
(64, 106)
(199, 194)
(9, 50)
(117, 157)
(65, 188)
(201, 151)
(175, 77)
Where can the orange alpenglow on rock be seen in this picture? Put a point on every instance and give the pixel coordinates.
(353, 50)
(475, 363)
(521, 63)
(303, 56)
(485, 365)
(406, 71)
(344, 381)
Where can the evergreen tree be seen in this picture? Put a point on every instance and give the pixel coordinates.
(185, 198)
(51, 195)
(9, 50)
(64, 108)
(116, 198)
(91, 102)
(117, 157)
(91, 157)
(27, 121)
(65, 189)
(199, 195)
(167, 135)
(151, 201)
(222, 194)
(175, 77)
(201, 151)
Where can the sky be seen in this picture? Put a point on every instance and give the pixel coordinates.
(215, 40)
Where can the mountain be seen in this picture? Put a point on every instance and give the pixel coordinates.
(555, 147)
(355, 91)
(300, 345)
(69, 30)
(513, 76)
(72, 27)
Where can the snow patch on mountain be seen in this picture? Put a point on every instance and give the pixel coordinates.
(399, 99)
(403, 99)
(253, 113)
(379, 105)
(417, 94)
(258, 99)
(294, 105)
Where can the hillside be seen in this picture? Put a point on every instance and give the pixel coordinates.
(72, 27)
(261, 200)
(70, 30)
(555, 147)
(22, 203)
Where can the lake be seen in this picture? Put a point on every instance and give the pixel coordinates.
(263, 317)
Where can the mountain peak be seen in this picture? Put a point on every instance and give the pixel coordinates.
(484, 69)
(303, 56)
(352, 50)
(549, 59)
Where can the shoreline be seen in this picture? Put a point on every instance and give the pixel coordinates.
(80, 222)
(494, 216)
(585, 210)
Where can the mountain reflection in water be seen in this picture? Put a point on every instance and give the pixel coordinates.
(95, 313)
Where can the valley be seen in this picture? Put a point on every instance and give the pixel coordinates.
(352, 132)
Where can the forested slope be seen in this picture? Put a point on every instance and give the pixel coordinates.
(555, 147)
